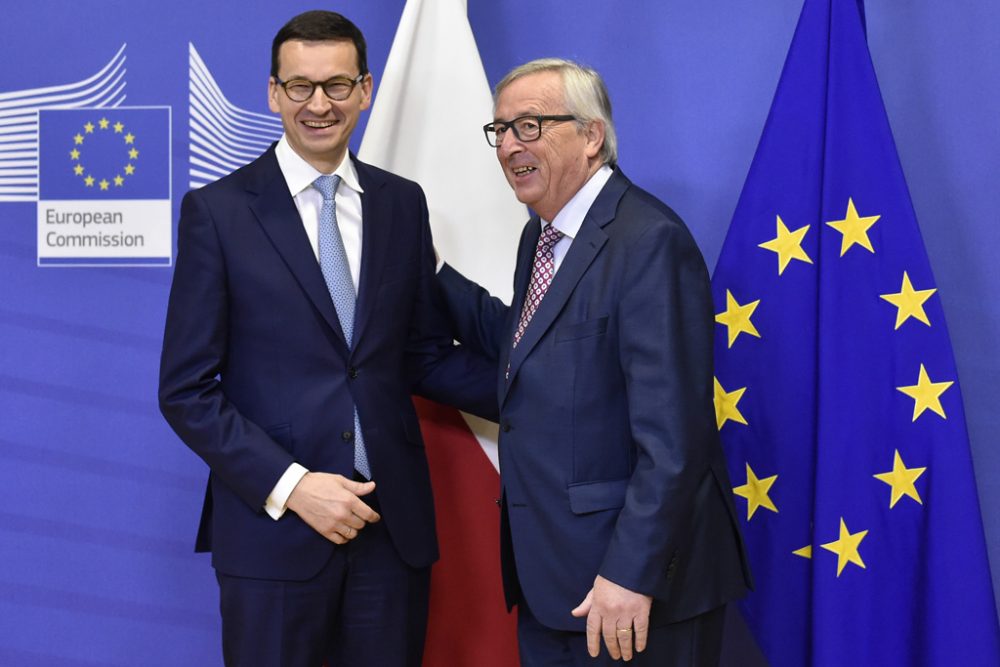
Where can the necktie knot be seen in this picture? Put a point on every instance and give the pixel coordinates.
(327, 185)
(550, 236)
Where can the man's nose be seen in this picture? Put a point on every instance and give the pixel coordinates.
(509, 146)
(318, 102)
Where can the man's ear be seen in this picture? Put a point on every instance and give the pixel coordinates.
(595, 137)
(272, 95)
(367, 84)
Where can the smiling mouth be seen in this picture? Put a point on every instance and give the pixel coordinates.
(319, 124)
(522, 171)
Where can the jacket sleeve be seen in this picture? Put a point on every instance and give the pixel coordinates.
(462, 376)
(194, 351)
(479, 319)
(665, 352)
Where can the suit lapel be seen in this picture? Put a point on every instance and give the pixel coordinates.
(522, 274)
(375, 238)
(585, 247)
(276, 213)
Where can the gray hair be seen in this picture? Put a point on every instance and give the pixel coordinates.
(585, 92)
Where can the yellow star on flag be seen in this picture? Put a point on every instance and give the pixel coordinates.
(103, 123)
(846, 547)
(78, 139)
(788, 245)
(804, 552)
(926, 395)
(104, 184)
(901, 479)
(78, 170)
(118, 127)
(129, 138)
(89, 128)
(725, 405)
(736, 318)
(133, 153)
(909, 302)
(854, 228)
(129, 169)
(74, 154)
(119, 180)
(755, 491)
(89, 181)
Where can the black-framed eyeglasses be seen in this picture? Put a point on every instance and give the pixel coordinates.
(338, 89)
(525, 128)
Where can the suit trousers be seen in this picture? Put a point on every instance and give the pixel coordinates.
(365, 607)
(694, 642)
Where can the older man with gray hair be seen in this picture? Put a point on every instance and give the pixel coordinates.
(617, 520)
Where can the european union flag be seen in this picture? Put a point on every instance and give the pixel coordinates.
(104, 153)
(836, 391)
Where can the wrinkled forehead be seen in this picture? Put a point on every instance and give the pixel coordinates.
(536, 93)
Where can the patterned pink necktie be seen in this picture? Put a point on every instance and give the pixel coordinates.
(541, 277)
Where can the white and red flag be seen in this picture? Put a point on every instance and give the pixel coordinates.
(426, 125)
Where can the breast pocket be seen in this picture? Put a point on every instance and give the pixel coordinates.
(396, 273)
(594, 327)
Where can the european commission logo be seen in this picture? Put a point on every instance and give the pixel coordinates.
(104, 187)
(98, 171)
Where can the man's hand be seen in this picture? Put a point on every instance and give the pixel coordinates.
(330, 504)
(616, 613)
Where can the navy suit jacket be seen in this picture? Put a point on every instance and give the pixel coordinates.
(610, 459)
(255, 372)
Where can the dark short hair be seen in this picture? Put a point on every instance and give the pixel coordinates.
(320, 26)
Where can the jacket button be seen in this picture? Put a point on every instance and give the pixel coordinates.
(505, 427)
(347, 436)
(352, 373)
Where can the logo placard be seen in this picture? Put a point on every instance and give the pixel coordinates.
(104, 187)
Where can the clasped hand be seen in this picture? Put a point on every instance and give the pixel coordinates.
(332, 506)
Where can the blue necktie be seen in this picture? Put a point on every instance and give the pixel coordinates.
(337, 273)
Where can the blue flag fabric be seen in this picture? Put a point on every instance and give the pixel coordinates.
(104, 153)
(836, 391)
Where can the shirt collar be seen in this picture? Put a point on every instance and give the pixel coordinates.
(299, 174)
(569, 219)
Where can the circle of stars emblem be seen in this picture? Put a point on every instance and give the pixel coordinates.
(103, 181)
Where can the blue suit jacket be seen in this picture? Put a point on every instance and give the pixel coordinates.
(255, 372)
(609, 454)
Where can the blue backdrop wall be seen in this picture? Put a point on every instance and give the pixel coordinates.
(100, 500)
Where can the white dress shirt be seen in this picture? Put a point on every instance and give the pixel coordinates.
(570, 217)
(299, 175)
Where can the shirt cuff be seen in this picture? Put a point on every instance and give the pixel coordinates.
(275, 503)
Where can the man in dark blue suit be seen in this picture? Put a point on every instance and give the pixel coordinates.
(617, 517)
(300, 319)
